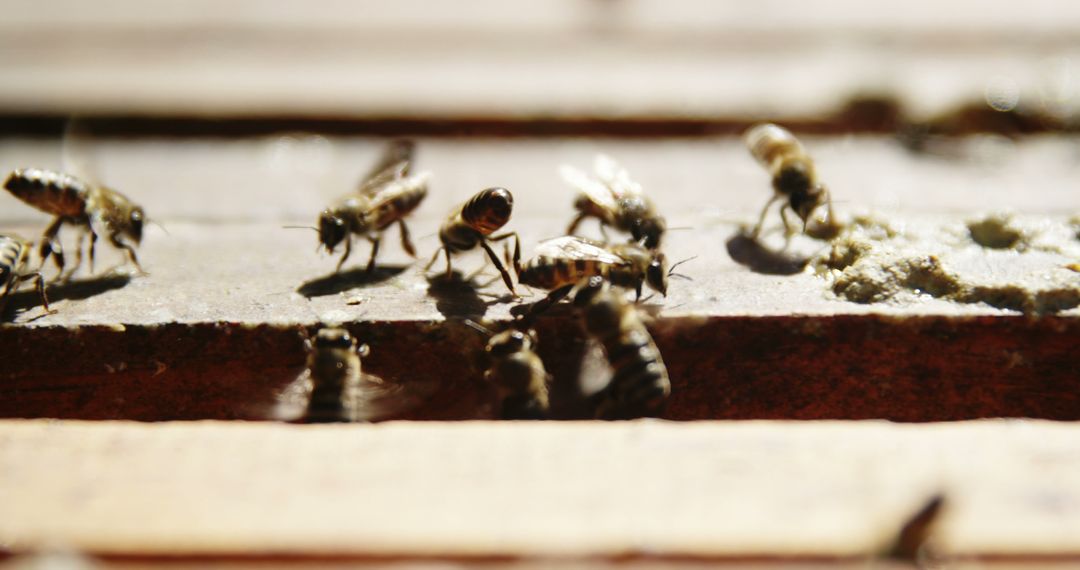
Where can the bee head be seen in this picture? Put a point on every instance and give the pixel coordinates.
(794, 177)
(334, 338)
(650, 230)
(135, 224)
(332, 230)
(804, 203)
(656, 275)
(509, 342)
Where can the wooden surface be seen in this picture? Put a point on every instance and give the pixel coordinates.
(636, 490)
(569, 59)
(216, 330)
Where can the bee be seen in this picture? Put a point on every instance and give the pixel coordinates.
(14, 257)
(517, 372)
(615, 200)
(386, 196)
(100, 210)
(334, 368)
(640, 384)
(472, 224)
(794, 176)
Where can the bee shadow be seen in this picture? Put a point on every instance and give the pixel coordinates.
(27, 298)
(457, 297)
(338, 282)
(749, 252)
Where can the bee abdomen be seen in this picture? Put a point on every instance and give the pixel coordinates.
(489, 210)
(768, 143)
(551, 273)
(11, 251)
(53, 192)
(640, 375)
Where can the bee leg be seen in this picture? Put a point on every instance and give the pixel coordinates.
(348, 250)
(764, 211)
(603, 233)
(374, 252)
(517, 247)
(50, 245)
(787, 225)
(575, 223)
(449, 266)
(546, 303)
(39, 284)
(406, 241)
(93, 243)
(433, 258)
(78, 259)
(637, 293)
(499, 266)
(129, 251)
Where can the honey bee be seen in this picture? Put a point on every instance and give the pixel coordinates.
(334, 367)
(100, 210)
(563, 262)
(640, 384)
(472, 224)
(794, 177)
(386, 196)
(615, 200)
(517, 372)
(14, 257)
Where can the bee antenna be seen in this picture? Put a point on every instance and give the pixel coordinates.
(671, 270)
(478, 327)
(680, 228)
(681, 276)
(300, 228)
(160, 225)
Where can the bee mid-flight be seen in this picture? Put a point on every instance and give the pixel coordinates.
(334, 367)
(472, 224)
(99, 210)
(518, 373)
(640, 384)
(794, 177)
(615, 200)
(14, 258)
(386, 196)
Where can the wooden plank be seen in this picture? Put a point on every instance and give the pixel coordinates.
(625, 490)
(216, 330)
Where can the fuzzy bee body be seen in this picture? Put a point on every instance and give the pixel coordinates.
(387, 196)
(334, 368)
(100, 210)
(794, 176)
(14, 258)
(473, 223)
(614, 200)
(565, 261)
(519, 375)
(640, 384)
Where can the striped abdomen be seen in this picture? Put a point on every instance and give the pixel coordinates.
(14, 253)
(49, 191)
(641, 381)
(770, 144)
(400, 203)
(488, 210)
(550, 273)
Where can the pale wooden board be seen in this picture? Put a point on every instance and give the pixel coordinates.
(567, 59)
(558, 489)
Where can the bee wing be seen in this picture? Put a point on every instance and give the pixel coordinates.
(379, 400)
(395, 153)
(597, 191)
(75, 151)
(615, 177)
(386, 192)
(378, 181)
(573, 247)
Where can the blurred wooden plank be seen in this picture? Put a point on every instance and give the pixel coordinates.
(486, 60)
(625, 490)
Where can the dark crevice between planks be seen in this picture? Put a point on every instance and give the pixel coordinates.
(911, 369)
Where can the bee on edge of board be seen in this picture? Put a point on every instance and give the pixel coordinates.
(640, 385)
(614, 199)
(100, 210)
(334, 367)
(794, 177)
(517, 373)
(14, 258)
(386, 196)
(561, 263)
(472, 223)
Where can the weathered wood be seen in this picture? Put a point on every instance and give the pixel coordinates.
(216, 330)
(638, 490)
